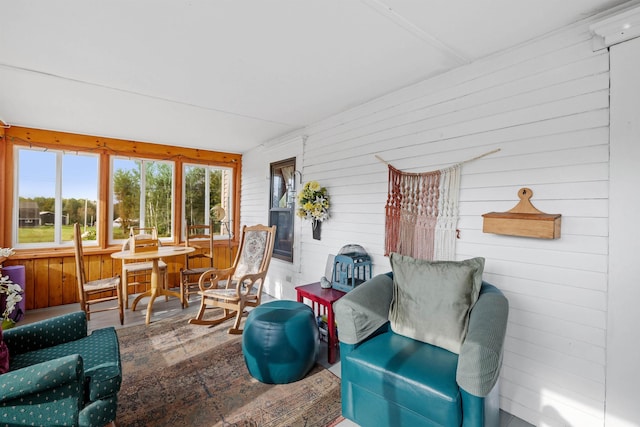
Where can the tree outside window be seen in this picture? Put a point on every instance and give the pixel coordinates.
(56, 186)
(142, 196)
(208, 197)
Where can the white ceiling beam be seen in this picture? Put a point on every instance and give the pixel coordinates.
(389, 13)
(615, 29)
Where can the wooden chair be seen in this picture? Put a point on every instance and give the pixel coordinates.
(239, 286)
(199, 236)
(88, 290)
(141, 239)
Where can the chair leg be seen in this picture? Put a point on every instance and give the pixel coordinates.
(120, 306)
(199, 319)
(84, 308)
(165, 283)
(125, 289)
(183, 285)
(200, 315)
(121, 311)
(235, 330)
(185, 289)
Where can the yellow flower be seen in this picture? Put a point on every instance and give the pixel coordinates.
(314, 186)
(313, 202)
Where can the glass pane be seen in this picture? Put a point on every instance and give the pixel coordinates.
(207, 197)
(158, 196)
(226, 201)
(220, 195)
(281, 206)
(283, 246)
(279, 191)
(282, 181)
(79, 195)
(194, 195)
(126, 196)
(36, 196)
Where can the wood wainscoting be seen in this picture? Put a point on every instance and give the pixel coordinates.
(51, 280)
(50, 272)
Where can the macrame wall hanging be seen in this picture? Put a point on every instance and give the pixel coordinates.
(422, 212)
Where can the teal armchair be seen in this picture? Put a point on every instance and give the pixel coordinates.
(392, 380)
(59, 375)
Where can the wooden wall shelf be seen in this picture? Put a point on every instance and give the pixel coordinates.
(523, 220)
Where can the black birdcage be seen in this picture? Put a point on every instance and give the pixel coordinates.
(351, 267)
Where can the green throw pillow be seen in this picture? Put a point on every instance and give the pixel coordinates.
(432, 299)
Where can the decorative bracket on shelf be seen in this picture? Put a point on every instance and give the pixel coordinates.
(523, 220)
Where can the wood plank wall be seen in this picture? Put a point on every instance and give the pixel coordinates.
(51, 281)
(546, 106)
(50, 273)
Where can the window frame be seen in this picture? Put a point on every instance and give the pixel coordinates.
(230, 210)
(144, 161)
(284, 254)
(57, 242)
(16, 136)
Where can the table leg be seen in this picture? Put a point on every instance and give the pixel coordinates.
(155, 272)
(331, 331)
(154, 292)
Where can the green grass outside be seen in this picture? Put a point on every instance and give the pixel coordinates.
(44, 233)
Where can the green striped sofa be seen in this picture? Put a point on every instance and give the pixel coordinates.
(60, 376)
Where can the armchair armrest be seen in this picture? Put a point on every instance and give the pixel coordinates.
(46, 333)
(480, 356)
(364, 310)
(64, 373)
(217, 278)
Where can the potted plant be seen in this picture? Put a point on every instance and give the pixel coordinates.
(10, 293)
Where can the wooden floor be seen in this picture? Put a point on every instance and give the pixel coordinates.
(161, 310)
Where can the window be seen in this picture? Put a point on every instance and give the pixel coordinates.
(142, 194)
(281, 207)
(54, 189)
(208, 197)
(56, 179)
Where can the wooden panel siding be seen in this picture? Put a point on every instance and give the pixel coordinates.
(50, 272)
(546, 106)
(51, 281)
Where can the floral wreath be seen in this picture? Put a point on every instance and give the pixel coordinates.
(313, 202)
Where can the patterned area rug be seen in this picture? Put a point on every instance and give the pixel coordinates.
(176, 374)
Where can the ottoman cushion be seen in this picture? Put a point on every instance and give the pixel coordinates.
(280, 341)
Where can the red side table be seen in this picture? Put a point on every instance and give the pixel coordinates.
(323, 297)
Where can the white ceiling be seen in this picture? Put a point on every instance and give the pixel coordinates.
(228, 75)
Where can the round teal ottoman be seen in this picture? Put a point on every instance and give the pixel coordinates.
(280, 341)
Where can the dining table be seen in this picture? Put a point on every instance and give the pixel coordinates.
(154, 256)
